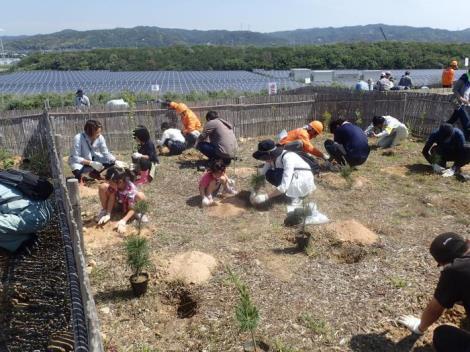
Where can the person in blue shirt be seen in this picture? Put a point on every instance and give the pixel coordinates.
(447, 144)
(350, 145)
(21, 217)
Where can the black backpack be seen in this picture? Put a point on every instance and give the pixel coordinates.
(314, 166)
(32, 186)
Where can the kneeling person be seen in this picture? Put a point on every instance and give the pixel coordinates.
(145, 159)
(173, 139)
(391, 131)
(211, 182)
(350, 143)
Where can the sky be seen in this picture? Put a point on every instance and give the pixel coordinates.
(18, 17)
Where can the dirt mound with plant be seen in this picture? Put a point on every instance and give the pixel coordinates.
(191, 267)
(351, 231)
(190, 155)
(230, 207)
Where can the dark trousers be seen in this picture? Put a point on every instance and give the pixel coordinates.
(461, 115)
(89, 170)
(443, 155)
(175, 147)
(448, 338)
(274, 177)
(212, 152)
(338, 153)
(190, 140)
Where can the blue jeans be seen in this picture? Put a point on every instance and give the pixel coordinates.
(212, 152)
(461, 115)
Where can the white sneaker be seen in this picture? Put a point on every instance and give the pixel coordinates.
(314, 217)
(207, 201)
(143, 218)
(102, 213)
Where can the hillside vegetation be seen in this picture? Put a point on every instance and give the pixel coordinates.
(333, 56)
(145, 37)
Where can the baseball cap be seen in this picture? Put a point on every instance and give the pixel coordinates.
(448, 246)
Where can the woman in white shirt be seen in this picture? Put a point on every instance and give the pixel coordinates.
(285, 170)
(390, 131)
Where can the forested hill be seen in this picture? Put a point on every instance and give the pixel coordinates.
(163, 37)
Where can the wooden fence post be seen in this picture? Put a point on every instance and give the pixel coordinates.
(74, 195)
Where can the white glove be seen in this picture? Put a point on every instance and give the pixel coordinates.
(104, 219)
(137, 155)
(412, 323)
(207, 201)
(122, 164)
(121, 226)
(438, 169)
(326, 156)
(449, 172)
(96, 165)
(259, 199)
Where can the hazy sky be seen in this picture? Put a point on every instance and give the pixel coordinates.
(46, 16)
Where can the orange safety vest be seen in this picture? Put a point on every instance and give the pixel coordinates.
(448, 77)
(301, 134)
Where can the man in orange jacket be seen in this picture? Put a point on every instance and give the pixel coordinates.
(448, 74)
(299, 139)
(191, 124)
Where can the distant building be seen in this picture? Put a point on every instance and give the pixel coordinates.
(299, 74)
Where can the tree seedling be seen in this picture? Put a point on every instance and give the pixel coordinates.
(246, 312)
(257, 181)
(138, 254)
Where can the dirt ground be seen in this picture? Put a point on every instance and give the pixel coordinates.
(331, 296)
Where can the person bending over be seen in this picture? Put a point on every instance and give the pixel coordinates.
(191, 123)
(350, 144)
(451, 252)
(447, 144)
(299, 139)
(119, 192)
(390, 131)
(172, 138)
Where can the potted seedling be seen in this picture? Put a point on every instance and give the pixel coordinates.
(257, 181)
(247, 315)
(138, 258)
(141, 208)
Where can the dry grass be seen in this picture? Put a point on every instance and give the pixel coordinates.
(355, 304)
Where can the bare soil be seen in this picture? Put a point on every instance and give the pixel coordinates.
(354, 292)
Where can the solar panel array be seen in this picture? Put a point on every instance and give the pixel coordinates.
(32, 82)
(169, 81)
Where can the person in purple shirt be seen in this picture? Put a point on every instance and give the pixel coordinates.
(350, 145)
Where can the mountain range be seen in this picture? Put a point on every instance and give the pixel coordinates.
(163, 37)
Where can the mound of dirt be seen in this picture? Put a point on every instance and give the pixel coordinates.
(190, 154)
(97, 237)
(401, 171)
(229, 207)
(333, 180)
(351, 231)
(191, 267)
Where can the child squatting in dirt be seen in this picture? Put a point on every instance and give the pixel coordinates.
(211, 181)
(121, 191)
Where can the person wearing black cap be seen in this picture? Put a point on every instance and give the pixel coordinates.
(81, 100)
(146, 156)
(447, 144)
(285, 170)
(451, 252)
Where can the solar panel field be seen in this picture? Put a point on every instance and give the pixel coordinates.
(33, 82)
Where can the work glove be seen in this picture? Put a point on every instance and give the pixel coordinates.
(104, 219)
(207, 201)
(136, 155)
(260, 199)
(438, 169)
(97, 165)
(326, 156)
(412, 323)
(449, 172)
(121, 226)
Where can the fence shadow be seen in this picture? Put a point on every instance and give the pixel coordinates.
(379, 342)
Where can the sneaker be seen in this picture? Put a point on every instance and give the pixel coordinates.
(207, 201)
(102, 213)
(449, 172)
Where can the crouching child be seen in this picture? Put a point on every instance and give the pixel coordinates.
(120, 193)
(145, 159)
(212, 181)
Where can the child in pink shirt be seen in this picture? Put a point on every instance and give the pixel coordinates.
(212, 180)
